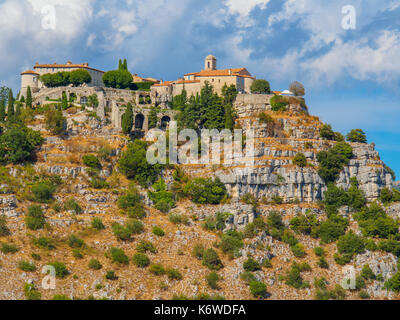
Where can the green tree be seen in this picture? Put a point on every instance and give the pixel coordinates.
(10, 106)
(297, 88)
(56, 123)
(357, 135)
(29, 97)
(127, 120)
(93, 100)
(79, 77)
(64, 101)
(134, 165)
(153, 117)
(119, 79)
(2, 110)
(260, 86)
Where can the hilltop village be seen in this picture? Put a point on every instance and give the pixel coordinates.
(315, 217)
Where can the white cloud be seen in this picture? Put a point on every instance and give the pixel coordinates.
(359, 59)
(244, 7)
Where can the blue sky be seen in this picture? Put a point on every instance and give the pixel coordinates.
(351, 76)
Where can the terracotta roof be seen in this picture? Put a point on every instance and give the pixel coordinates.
(164, 84)
(239, 72)
(276, 92)
(29, 72)
(67, 65)
(186, 81)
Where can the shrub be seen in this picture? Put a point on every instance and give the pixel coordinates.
(258, 289)
(251, 265)
(118, 256)
(44, 243)
(300, 160)
(121, 233)
(72, 205)
(375, 222)
(206, 191)
(278, 103)
(110, 275)
(332, 162)
(211, 259)
(174, 274)
(231, 241)
(356, 135)
(56, 123)
(27, 266)
(274, 221)
(119, 79)
(132, 204)
(36, 256)
(135, 226)
(349, 245)
(18, 144)
(267, 263)
(320, 252)
(61, 269)
(134, 165)
(306, 224)
(297, 88)
(97, 224)
(322, 263)
(198, 251)
(212, 280)
(157, 269)
(91, 161)
(163, 199)
(367, 273)
(247, 277)
(75, 242)
(331, 229)
(4, 231)
(141, 260)
(364, 295)
(146, 246)
(35, 219)
(77, 253)
(31, 293)
(298, 250)
(176, 218)
(95, 264)
(289, 238)
(393, 283)
(293, 276)
(43, 191)
(158, 231)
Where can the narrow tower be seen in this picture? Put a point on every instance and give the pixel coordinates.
(210, 63)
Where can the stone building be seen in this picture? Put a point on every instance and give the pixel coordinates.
(193, 82)
(31, 78)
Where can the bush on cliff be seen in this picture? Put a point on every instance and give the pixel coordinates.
(134, 165)
(206, 191)
(18, 143)
(35, 219)
(331, 162)
(356, 135)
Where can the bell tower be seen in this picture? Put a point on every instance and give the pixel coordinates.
(210, 63)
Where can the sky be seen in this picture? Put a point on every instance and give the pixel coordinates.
(346, 53)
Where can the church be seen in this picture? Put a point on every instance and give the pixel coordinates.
(193, 82)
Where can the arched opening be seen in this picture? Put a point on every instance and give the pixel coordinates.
(139, 121)
(165, 122)
(83, 100)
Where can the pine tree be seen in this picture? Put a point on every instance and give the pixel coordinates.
(64, 101)
(10, 106)
(127, 120)
(2, 110)
(125, 66)
(29, 97)
(17, 115)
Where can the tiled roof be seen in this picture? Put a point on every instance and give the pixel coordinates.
(186, 81)
(239, 72)
(29, 72)
(164, 84)
(67, 65)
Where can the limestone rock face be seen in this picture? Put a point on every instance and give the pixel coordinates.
(277, 142)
